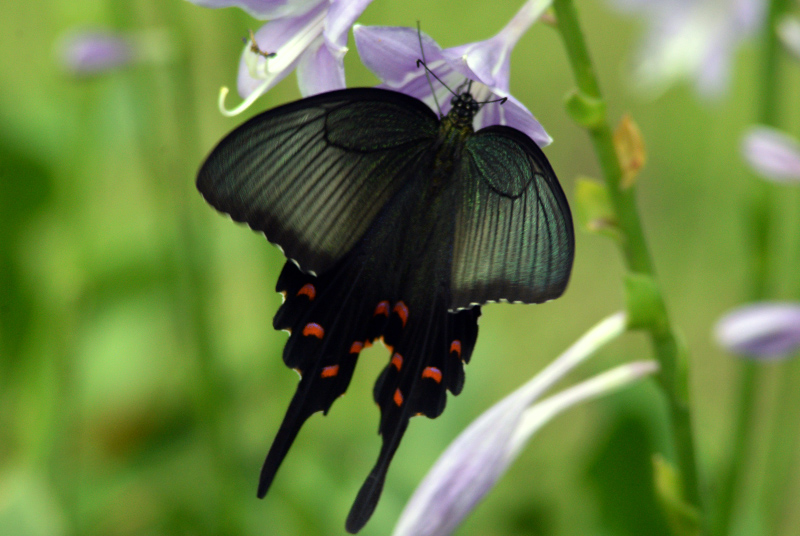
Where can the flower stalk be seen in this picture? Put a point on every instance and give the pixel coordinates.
(667, 348)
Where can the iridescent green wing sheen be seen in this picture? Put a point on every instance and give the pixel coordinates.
(313, 174)
(514, 239)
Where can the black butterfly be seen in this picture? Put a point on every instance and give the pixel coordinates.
(398, 224)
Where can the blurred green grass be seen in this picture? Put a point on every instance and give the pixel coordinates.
(140, 378)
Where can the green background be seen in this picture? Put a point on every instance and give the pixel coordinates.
(141, 381)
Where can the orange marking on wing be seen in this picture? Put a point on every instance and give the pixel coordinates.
(382, 309)
(397, 361)
(329, 372)
(313, 329)
(402, 311)
(309, 290)
(356, 347)
(455, 346)
(433, 373)
(367, 344)
(398, 397)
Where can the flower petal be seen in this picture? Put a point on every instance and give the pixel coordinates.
(341, 16)
(288, 38)
(91, 52)
(264, 9)
(691, 39)
(488, 61)
(514, 114)
(789, 32)
(772, 154)
(391, 52)
(477, 458)
(762, 330)
(319, 71)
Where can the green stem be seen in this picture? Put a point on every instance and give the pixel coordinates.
(759, 227)
(637, 257)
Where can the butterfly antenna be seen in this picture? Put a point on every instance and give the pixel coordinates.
(428, 72)
(501, 100)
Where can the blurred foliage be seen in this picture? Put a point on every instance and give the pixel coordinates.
(140, 378)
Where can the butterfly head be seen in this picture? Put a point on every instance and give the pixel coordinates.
(464, 108)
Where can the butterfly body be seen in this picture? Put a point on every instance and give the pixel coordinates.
(398, 225)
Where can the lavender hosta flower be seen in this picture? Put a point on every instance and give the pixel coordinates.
(392, 53)
(694, 39)
(307, 35)
(773, 154)
(476, 460)
(89, 52)
(762, 330)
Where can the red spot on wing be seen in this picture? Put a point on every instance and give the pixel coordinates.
(402, 311)
(397, 361)
(398, 397)
(382, 309)
(329, 372)
(356, 347)
(313, 329)
(308, 290)
(433, 373)
(455, 346)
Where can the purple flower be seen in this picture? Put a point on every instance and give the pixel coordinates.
(392, 53)
(761, 330)
(773, 154)
(476, 460)
(309, 35)
(95, 51)
(89, 52)
(693, 39)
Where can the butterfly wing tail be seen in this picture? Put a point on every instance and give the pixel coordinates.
(323, 348)
(300, 409)
(427, 360)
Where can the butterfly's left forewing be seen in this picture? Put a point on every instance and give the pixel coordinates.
(313, 174)
(514, 238)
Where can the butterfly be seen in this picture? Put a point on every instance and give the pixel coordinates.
(397, 224)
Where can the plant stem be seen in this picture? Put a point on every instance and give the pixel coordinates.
(759, 227)
(637, 257)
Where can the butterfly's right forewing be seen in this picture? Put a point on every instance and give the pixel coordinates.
(313, 174)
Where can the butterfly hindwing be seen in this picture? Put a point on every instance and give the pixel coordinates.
(313, 174)
(514, 238)
(426, 359)
(326, 334)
